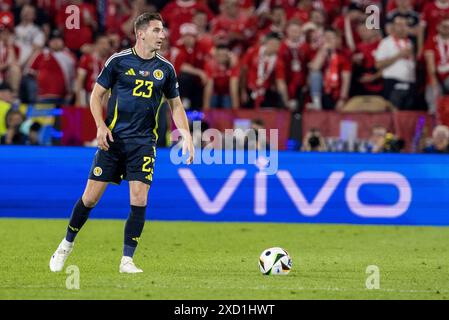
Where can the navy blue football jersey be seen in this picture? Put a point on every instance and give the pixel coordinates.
(137, 88)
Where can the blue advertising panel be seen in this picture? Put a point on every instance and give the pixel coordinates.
(45, 182)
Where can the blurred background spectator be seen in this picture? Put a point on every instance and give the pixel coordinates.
(405, 10)
(29, 37)
(437, 61)
(33, 135)
(6, 99)
(377, 139)
(440, 140)
(76, 37)
(188, 58)
(367, 79)
(263, 75)
(331, 73)
(396, 58)
(13, 135)
(314, 141)
(295, 63)
(10, 71)
(54, 71)
(221, 90)
(233, 26)
(89, 67)
(383, 141)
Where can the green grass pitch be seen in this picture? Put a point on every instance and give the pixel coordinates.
(187, 260)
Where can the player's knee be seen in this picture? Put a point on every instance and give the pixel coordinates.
(90, 201)
(139, 201)
(138, 197)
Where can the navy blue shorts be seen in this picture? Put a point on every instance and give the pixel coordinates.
(131, 162)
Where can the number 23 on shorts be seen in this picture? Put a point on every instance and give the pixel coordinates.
(148, 166)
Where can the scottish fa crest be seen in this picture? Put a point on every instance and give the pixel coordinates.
(158, 74)
(98, 171)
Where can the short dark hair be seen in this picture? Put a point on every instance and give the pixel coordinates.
(5, 86)
(200, 11)
(335, 31)
(100, 36)
(36, 126)
(142, 21)
(400, 18)
(222, 46)
(331, 29)
(277, 7)
(273, 35)
(258, 122)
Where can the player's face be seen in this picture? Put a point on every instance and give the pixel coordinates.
(154, 35)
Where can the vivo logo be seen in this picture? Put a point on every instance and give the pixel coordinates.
(307, 208)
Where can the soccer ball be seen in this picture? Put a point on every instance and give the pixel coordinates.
(275, 261)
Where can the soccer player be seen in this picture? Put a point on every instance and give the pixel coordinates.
(138, 79)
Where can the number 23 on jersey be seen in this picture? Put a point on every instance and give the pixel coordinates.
(142, 92)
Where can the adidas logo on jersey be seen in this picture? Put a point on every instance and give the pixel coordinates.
(130, 72)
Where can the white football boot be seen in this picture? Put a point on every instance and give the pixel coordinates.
(60, 256)
(127, 266)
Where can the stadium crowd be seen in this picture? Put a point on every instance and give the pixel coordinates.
(292, 54)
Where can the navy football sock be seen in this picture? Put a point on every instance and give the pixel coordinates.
(80, 214)
(133, 229)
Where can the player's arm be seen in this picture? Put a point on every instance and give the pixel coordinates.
(96, 109)
(181, 122)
